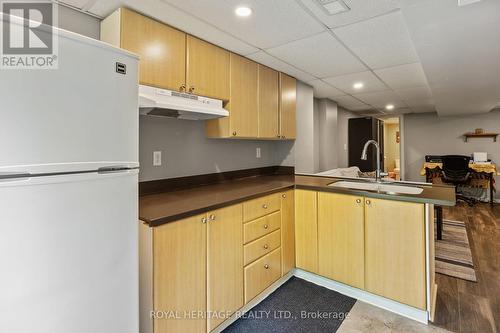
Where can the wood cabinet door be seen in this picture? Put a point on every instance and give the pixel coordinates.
(287, 231)
(207, 71)
(243, 103)
(306, 230)
(395, 250)
(288, 105)
(341, 238)
(162, 50)
(225, 262)
(179, 277)
(268, 102)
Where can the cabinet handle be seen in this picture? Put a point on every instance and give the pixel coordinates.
(264, 206)
(203, 220)
(191, 89)
(266, 246)
(212, 217)
(182, 88)
(234, 133)
(283, 195)
(368, 202)
(278, 136)
(266, 266)
(266, 226)
(283, 137)
(358, 200)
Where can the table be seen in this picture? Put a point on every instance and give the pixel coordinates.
(489, 170)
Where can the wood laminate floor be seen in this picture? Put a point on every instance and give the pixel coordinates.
(464, 306)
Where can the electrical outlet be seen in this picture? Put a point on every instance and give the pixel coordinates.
(345, 146)
(257, 152)
(157, 158)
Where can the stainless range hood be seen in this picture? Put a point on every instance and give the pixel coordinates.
(167, 103)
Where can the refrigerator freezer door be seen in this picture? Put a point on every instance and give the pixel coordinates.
(69, 254)
(82, 112)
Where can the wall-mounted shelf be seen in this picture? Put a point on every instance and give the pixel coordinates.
(481, 135)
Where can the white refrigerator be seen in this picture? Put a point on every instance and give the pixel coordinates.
(68, 193)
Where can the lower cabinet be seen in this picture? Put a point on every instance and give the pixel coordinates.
(395, 250)
(372, 244)
(341, 243)
(197, 271)
(306, 230)
(179, 275)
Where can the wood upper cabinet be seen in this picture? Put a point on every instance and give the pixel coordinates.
(179, 274)
(341, 238)
(207, 71)
(287, 231)
(287, 106)
(306, 230)
(162, 49)
(395, 251)
(268, 103)
(224, 262)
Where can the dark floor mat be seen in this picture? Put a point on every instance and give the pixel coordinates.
(296, 306)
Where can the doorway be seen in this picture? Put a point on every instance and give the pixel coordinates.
(392, 148)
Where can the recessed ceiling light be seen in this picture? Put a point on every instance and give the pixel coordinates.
(243, 11)
(333, 7)
(358, 85)
(389, 107)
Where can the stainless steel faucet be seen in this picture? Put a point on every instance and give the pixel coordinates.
(378, 172)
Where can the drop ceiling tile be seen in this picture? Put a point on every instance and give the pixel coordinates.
(351, 103)
(268, 60)
(360, 11)
(423, 109)
(345, 82)
(272, 23)
(380, 99)
(320, 55)
(179, 19)
(421, 102)
(414, 94)
(398, 111)
(403, 76)
(380, 42)
(76, 3)
(324, 90)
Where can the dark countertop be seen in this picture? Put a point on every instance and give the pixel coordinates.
(443, 195)
(157, 209)
(160, 208)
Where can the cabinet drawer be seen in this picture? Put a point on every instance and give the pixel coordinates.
(262, 246)
(260, 227)
(262, 273)
(256, 208)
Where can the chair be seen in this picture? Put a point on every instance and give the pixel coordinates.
(455, 170)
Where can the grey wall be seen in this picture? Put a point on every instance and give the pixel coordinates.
(304, 145)
(186, 151)
(327, 115)
(427, 133)
(72, 20)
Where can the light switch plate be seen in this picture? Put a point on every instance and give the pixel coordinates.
(257, 152)
(157, 158)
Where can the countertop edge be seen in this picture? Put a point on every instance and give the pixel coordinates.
(200, 210)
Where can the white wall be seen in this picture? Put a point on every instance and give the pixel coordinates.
(327, 115)
(428, 134)
(75, 21)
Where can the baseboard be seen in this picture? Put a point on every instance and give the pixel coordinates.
(378, 301)
(247, 307)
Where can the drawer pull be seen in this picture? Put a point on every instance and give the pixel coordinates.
(266, 226)
(266, 266)
(368, 202)
(203, 220)
(266, 246)
(264, 206)
(212, 217)
(284, 196)
(358, 200)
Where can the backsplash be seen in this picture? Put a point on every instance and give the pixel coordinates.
(186, 151)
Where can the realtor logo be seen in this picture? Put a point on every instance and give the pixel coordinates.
(28, 37)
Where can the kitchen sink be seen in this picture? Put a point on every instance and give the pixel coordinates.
(378, 187)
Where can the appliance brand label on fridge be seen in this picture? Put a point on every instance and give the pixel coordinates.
(29, 40)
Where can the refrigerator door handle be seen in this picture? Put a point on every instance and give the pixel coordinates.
(113, 169)
(12, 175)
